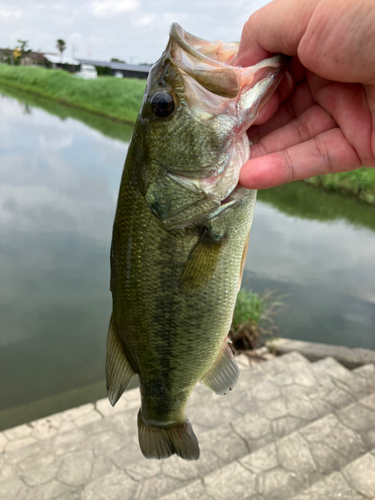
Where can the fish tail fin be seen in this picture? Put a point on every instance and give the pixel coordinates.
(162, 442)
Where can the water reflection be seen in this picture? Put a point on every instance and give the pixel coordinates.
(327, 268)
(109, 128)
(59, 184)
(60, 170)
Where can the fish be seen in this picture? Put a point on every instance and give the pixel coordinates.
(180, 234)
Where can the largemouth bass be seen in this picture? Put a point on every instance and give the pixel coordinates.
(180, 234)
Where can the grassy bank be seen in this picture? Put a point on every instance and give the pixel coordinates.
(358, 183)
(106, 126)
(115, 98)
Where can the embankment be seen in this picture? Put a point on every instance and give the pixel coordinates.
(114, 98)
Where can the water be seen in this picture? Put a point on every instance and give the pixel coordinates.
(60, 171)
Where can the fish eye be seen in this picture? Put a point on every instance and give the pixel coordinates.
(162, 104)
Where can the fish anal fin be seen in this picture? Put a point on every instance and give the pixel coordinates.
(223, 376)
(117, 368)
(201, 262)
(164, 441)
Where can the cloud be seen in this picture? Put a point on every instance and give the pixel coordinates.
(145, 20)
(55, 143)
(63, 14)
(8, 14)
(111, 8)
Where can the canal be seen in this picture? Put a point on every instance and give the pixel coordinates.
(60, 171)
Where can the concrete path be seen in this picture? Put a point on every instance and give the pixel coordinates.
(291, 429)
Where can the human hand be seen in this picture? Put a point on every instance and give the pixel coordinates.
(322, 117)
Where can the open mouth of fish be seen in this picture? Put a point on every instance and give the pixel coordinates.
(225, 98)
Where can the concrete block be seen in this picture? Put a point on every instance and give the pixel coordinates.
(114, 486)
(294, 455)
(278, 484)
(234, 482)
(76, 468)
(361, 475)
(350, 358)
(262, 460)
(357, 417)
(333, 487)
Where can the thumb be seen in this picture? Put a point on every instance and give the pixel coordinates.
(276, 28)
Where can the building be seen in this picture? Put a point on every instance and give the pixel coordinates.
(68, 63)
(127, 70)
(29, 58)
(5, 55)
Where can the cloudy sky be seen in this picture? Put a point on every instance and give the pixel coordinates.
(133, 30)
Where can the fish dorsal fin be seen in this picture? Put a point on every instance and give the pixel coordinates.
(201, 262)
(224, 374)
(118, 370)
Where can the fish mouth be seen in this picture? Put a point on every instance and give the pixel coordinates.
(203, 50)
(219, 102)
(209, 63)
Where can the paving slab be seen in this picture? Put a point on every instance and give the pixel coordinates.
(277, 407)
(332, 488)
(360, 475)
(296, 462)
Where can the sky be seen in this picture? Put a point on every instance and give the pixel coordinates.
(132, 30)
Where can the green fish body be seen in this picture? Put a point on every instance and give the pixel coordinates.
(180, 235)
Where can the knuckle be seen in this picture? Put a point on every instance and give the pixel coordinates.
(289, 165)
(323, 153)
(302, 129)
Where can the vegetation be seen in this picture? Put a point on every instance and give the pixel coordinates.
(116, 98)
(254, 316)
(61, 46)
(359, 183)
(308, 202)
(23, 44)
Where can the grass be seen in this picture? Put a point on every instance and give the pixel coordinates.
(254, 316)
(117, 98)
(359, 183)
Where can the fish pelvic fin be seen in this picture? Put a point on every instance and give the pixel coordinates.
(163, 442)
(117, 368)
(201, 263)
(224, 374)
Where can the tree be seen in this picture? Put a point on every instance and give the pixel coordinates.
(114, 59)
(23, 44)
(61, 46)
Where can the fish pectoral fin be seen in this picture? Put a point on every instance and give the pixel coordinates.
(223, 376)
(117, 368)
(201, 262)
